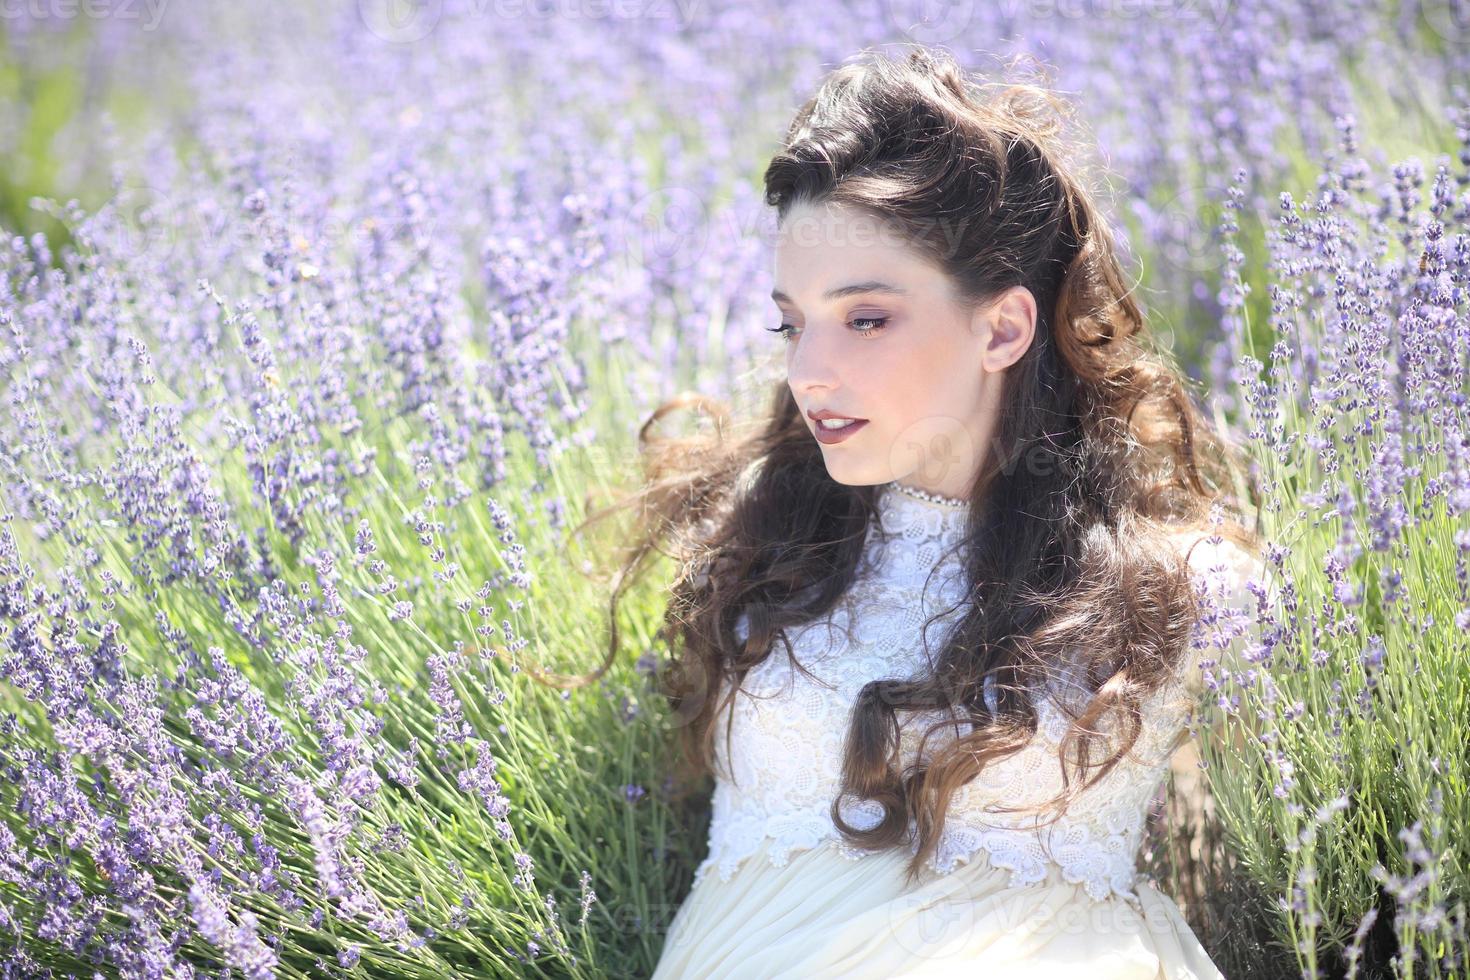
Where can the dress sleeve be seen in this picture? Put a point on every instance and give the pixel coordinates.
(1227, 581)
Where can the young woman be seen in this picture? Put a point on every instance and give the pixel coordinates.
(975, 520)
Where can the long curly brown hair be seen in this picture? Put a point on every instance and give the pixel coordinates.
(1101, 459)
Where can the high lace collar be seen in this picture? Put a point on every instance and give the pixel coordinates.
(916, 518)
(913, 535)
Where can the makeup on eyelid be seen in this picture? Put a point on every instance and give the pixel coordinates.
(785, 330)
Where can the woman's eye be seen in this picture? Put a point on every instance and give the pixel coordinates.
(784, 330)
(876, 324)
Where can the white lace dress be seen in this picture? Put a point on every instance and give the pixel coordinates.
(781, 894)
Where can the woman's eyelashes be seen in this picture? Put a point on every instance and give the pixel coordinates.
(877, 325)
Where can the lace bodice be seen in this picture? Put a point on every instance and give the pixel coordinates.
(788, 730)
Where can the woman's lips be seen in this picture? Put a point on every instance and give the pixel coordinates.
(830, 437)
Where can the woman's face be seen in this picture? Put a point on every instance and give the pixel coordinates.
(876, 333)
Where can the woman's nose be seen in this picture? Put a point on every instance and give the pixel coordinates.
(813, 362)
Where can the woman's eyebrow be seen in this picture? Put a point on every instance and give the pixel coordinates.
(871, 286)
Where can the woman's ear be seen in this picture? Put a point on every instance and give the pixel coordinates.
(1008, 325)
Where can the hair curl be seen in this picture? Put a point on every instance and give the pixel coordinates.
(1101, 459)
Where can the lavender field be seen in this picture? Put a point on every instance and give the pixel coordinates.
(324, 325)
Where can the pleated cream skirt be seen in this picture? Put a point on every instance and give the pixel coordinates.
(825, 915)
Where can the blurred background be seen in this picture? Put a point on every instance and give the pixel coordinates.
(320, 325)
